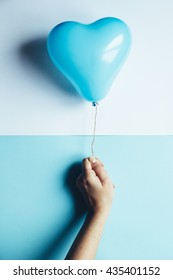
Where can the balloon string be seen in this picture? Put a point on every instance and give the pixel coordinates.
(95, 104)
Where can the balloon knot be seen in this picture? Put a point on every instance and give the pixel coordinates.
(95, 103)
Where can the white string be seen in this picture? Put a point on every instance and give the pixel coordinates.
(95, 104)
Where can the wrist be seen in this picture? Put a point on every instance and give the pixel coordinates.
(99, 212)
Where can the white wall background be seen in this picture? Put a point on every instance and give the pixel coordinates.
(35, 99)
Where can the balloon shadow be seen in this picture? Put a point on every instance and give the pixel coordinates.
(79, 206)
(35, 54)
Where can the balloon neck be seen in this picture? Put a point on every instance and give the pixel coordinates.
(94, 103)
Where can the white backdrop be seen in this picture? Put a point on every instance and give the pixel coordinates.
(36, 99)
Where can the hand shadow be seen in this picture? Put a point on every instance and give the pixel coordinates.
(34, 53)
(79, 210)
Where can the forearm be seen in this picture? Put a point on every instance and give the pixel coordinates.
(87, 241)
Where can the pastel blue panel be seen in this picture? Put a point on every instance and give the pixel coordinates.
(41, 212)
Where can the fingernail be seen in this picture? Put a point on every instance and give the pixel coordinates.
(92, 159)
(100, 162)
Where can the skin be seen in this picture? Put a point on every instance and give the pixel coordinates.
(97, 190)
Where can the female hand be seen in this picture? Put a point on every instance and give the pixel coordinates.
(95, 185)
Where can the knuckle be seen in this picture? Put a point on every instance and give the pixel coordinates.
(88, 179)
(106, 180)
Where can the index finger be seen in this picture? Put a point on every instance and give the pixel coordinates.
(86, 166)
(100, 171)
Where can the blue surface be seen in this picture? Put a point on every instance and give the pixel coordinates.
(40, 216)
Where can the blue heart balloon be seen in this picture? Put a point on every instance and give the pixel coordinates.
(90, 55)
